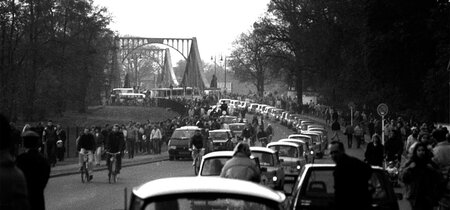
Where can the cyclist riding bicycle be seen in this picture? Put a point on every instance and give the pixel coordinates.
(86, 146)
(197, 145)
(115, 144)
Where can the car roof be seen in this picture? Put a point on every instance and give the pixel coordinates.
(261, 149)
(299, 135)
(189, 127)
(237, 124)
(219, 130)
(218, 154)
(292, 140)
(283, 143)
(330, 165)
(185, 185)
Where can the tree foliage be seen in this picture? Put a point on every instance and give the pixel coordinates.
(367, 51)
(54, 56)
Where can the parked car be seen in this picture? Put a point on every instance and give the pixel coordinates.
(304, 143)
(275, 114)
(317, 142)
(252, 108)
(272, 173)
(284, 117)
(227, 119)
(293, 157)
(178, 144)
(222, 139)
(314, 189)
(204, 193)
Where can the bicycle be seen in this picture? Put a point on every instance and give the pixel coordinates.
(197, 156)
(84, 169)
(112, 167)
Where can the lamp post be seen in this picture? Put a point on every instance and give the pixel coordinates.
(224, 59)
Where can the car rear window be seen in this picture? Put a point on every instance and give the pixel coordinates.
(286, 151)
(213, 166)
(218, 135)
(265, 159)
(183, 134)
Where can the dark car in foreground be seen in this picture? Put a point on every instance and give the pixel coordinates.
(314, 189)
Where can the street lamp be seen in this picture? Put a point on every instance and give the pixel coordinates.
(224, 59)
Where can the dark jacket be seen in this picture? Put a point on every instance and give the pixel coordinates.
(374, 155)
(115, 142)
(37, 172)
(197, 141)
(87, 142)
(241, 167)
(13, 187)
(351, 177)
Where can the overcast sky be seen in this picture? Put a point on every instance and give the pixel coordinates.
(215, 23)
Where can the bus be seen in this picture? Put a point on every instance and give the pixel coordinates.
(123, 95)
(176, 92)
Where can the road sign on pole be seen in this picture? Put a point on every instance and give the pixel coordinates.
(382, 110)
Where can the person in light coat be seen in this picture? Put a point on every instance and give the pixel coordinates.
(241, 166)
(155, 138)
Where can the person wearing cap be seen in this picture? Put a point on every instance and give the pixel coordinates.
(241, 166)
(36, 169)
(13, 186)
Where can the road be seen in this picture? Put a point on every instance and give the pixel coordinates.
(67, 192)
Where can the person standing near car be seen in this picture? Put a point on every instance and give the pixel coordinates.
(351, 178)
(241, 166)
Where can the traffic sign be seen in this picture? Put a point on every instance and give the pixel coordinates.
(382, 109)
(351, 105)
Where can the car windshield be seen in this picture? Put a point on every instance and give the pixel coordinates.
(286, 151)
(265, 159)
(183, 134)
(218, 135)
(320, 183)
(229, 119)
(213, 166)
(208, 202)
(236, 127)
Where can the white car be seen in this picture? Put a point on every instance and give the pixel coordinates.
(293, 157)
(204, 193)
(272, 173)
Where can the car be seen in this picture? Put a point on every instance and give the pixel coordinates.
(236, 130)
(222, 139)
(178, 144)
(204, 193)
(272, 173)
(275, 114)
(293, 157)
(314, 189)
(212, 163)
(284, 117)
(308, 153)
(227, 119)
(266, 111)
(291, 118)
(252, 108)
(318, 142)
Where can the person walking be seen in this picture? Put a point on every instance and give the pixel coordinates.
(374, 154)
(359, 135)
(61, 143)
(240, 166)
(349, 133)
(441, 157)
(49, 136)
(131, 140)
(421, 178)
(336, 129)
(351, 190)
(36, 169)
(155, 137)
(99, 144)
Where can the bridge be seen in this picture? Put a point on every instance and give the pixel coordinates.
(131, 52)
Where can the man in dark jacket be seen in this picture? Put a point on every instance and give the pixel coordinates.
(49, 136)
(36, 169)
(351, 177)
(86, 146)
(115, 143)
(241, 166)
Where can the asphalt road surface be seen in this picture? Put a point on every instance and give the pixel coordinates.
(67, 192)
